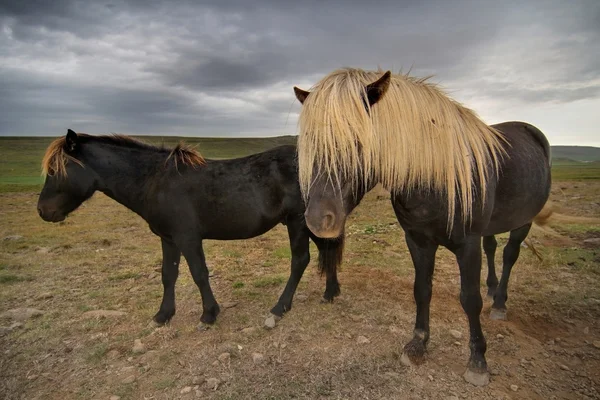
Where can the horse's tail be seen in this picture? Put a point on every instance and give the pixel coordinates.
(543, 217)
(548, 215)
(331, 253)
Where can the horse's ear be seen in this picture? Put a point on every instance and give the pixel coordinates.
(377, 89)
(71, 140)
(301, 95)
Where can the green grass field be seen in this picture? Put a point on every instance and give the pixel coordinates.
(21, 157)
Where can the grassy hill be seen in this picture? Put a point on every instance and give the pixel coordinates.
(576, 153)
(20, 157)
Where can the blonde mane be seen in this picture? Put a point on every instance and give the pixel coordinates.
(57, 155)
(415, 136)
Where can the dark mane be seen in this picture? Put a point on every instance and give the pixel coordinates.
(57, 155)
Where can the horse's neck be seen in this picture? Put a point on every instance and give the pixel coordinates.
(125, 176)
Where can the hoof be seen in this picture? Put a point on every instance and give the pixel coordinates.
(202, 327)
(279, 310)
(406, 361)
(498, 314)
(413, 353)
(326, 300)
(155, 324)
(490, 293)
(210, 316)
(162, 318)
(271, 321)
(477, 378)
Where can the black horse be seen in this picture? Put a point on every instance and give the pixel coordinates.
(453, 180)
(186, 199)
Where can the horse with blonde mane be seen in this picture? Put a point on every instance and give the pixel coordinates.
(453, 181)
(186, 199)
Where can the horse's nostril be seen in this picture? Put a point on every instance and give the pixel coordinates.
(328, 221)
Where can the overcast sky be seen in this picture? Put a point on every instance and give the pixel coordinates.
(227, 68)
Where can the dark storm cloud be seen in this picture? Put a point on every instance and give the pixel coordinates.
(227, 67)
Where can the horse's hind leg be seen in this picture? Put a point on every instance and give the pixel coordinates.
(170, 271)
(509, 258)
(298, 233)
(194, 254)
(489, 247)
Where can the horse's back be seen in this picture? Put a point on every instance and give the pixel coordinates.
(237, 198)
(523, 185)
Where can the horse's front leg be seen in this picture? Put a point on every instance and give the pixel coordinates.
(299, 244)
(194, 254)
(468, 255)
(170, 271)
(422, 251)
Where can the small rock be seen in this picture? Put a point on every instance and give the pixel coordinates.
(248, 330)
(103, 314)
(500, 336)
(229, 304)
(457, 343)
(258, 358)
(362, 340)
(12, 238)
(596, 344)
(430, 377)
(212, 383)
(224, 357)
(587, 241)
(586, 330)
(44, 296)
(348, 335)
(301, 298)
(113, 354)
(564, 367)
(514, 388)
(21, 314)
(270, 322)
(196, 380)
(115, 397)
(185, 390)
(129, 379)
(455, 334)
(138, 347)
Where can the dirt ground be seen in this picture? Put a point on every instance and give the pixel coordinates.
(104, 257)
